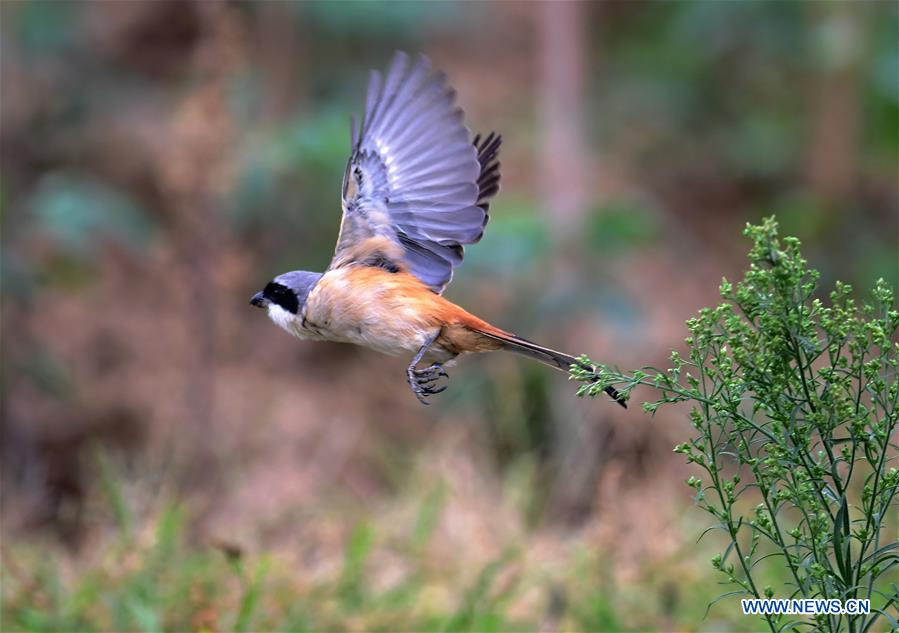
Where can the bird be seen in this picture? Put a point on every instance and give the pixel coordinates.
(416, 190)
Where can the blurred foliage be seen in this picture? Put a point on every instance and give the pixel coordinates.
(736, 108)
(145, 574)
(698, 116)
(45, 28)
(76, 212)
(379, 19)
(621, 226)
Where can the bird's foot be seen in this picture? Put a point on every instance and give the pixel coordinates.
(422, 381)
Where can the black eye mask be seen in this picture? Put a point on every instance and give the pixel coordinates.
(282, 296)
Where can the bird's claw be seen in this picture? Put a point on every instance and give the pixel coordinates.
(421, 381)
(429, 374)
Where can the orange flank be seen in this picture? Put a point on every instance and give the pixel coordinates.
(391, 312)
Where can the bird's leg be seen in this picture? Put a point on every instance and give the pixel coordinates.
(420, 380)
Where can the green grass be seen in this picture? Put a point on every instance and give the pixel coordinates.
(149, 576)
(145, 566)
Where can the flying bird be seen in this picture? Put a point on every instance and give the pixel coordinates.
(416, 191)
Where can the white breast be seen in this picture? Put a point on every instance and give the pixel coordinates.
(285, 320)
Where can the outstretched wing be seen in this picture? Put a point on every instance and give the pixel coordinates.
(415, 188)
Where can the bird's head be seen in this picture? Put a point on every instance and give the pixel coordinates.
(284, 297)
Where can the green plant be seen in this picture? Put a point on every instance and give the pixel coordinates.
(794, 410)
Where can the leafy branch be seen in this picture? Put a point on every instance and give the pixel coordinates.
(795, 416)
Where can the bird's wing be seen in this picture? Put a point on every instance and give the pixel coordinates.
(415, 188)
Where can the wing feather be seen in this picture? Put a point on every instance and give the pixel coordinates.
(415, 188)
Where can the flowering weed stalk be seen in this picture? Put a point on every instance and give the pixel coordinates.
(795, 416)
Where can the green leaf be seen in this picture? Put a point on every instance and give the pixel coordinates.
(249, 599)
(841, 542)
(351, 586)
(428, 516)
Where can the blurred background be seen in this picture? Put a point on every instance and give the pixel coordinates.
(171, 460)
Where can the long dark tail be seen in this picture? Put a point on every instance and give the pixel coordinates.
(551, 357)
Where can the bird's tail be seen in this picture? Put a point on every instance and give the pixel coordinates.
(558, 360)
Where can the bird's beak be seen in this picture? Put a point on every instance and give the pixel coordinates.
(258, 300)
